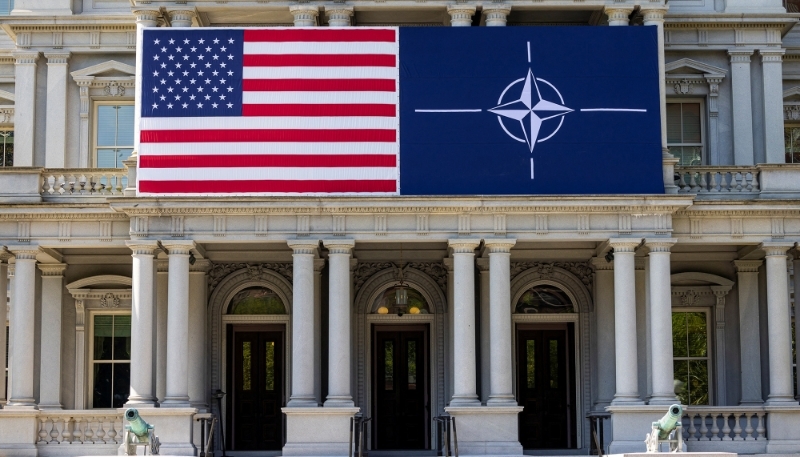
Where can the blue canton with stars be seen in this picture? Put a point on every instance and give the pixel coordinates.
(192, 73)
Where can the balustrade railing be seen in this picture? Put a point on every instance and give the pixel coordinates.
(79, 427)
(84, 182)
(711, 427)
(717, 179)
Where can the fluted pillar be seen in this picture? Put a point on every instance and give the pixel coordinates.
(660, 315)
(178, 324)
(781, 390)
(749, 330)
(339, 367)
(465, 370)
(303, 337)
(502, 391)
(50, 367)
(142, 324)
(3, 318)
(618, 15)
(772, 74)
(304, 15)
(604, 313)
(627, 365)
(496, 14)
(22, 325)
(198, 392)
(181, 18)
(461, 15)
(742, 106)
(339, 16)
(24, 107)
(56, 132)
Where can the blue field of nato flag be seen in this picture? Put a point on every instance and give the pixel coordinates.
(529, 110)
(399, 111)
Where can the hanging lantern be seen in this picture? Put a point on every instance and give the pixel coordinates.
(401, 299)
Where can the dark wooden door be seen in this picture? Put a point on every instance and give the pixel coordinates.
(401, 389)
(545, 389)
(258, 391)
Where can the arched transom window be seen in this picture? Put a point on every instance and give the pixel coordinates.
(544, 299)
(257, 300)
(386, 302)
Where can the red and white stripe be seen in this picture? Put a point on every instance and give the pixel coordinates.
(320, 115)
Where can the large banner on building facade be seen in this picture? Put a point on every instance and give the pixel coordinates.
(399, 111)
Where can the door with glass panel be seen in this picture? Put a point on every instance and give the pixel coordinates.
(257, 393)
(546, 387)
(400, 394)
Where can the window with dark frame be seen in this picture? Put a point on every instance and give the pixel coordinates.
(111, 360)
(684, 132)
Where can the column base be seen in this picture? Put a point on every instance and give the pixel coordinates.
(21, 404)
(140, 402)
(502, 400)
(176, 402)
(318, 431)
(781, 400)
(302, 402)
(339, 402)
(487, 430)
(663, 400)
(627, 400)
(465, 401)
(51, 406)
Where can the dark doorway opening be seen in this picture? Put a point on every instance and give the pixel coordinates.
(255, 380)
(546, 386)
(401, 398)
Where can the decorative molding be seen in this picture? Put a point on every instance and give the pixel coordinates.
(380, 225)
(255, 271)
(548, 270)
(114, 89)
(109, 300)
(683, 87)
(123, 281)
(52, 269)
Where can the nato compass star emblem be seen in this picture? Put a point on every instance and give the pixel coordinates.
(530, 110)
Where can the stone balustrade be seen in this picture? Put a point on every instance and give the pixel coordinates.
(83, 182)
(717, 179)
(739, 429)
(80, 427)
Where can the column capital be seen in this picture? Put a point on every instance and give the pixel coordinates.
(618, 14)
(624, 244)
(499, 245)
(339, 15)
(25, 57)
(601, 264)
(660, 244)
(740, 56)
(461, 15)
(772, 55)
(340, 246)
(57, 58)
(52, 269)
(747, 266)
(143, 247)
(179, 247)
(496, 14)
(181, 17)
(4, 256)
(304, 246)
(653, 15)
(24, 252)
(464, 245)
(773, 248)
(304, 15)
(146, 18)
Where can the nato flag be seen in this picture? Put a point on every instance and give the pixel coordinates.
(529, 110)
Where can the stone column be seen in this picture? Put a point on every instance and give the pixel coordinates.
(618, 15)
(772, 71)
(50, 371)
(56, 133)
(485, 351)
(304, 15)
(461, 15)
(742, 106)
(144, 18)
(660, 315)
(796, 265)
(162, 292)
(3, 318)
(303, 337)
(319, 264)
(142, 324)
(781, 391)
(22, 327)
(339, 365)
(749, 333)
(198, 393)
(502, 391)
(181, 18)
(496, 14)
(627, 366)
(604, 314)
(178, 324)
(464, 376)
(339, 16)
(24, 107)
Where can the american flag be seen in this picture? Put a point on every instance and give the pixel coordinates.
(269, 111)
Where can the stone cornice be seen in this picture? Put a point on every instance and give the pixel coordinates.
(54, 215)
(52, 269)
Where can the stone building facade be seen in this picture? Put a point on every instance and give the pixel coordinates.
(524, 316)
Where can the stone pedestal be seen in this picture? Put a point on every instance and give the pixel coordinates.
(630, 424)
(18, 433)
(318, 431)
(487, 430)
(173, 426)
(783, 423)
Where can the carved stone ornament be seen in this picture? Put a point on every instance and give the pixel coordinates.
(436, 270)
(689, 297)
(109, 300)
(791, 112)
(256, 270)
(684, 87)
(582, 270)
(114, 89)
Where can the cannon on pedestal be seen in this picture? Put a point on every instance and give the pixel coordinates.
(667, 430)
(139, 433)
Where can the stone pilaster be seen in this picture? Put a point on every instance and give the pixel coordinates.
(198, 391)
(339, 366)
(604, 313)
(749, 331)
(3, 318)
(22, 328)
(56, 134)
(50, 368)
(162, 295)
(660, 316)
(461, 15)
(781, 390)
(465, 370)
(485, 343)
(772, 72)
(24, 107)
(496, 14)
(627, 364)
(742, 106)
(142, 324)
(178, 324)
(339, 16)
(304, 15)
